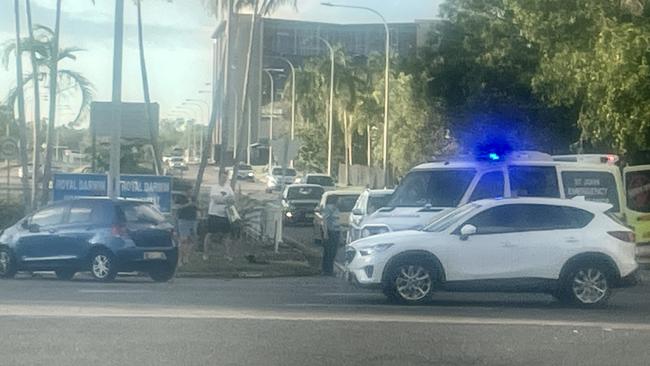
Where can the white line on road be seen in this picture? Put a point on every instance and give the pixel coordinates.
(112, 291)
(39, 311)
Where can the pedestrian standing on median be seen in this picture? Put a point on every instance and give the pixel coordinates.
(221, 196)
(186, 221)
(331, 215)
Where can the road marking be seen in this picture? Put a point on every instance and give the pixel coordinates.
(57, 311)
(348, 294)
(112, 291)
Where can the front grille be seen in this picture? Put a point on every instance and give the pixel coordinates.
(349, 255)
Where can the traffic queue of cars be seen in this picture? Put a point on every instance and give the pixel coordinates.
(572, 226)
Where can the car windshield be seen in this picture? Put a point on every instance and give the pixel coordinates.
(304, 193)
(437, 187)
(377, 202)
(451, 218)
(346, 203)
(245, 167)
(289, 172)
(320, 180)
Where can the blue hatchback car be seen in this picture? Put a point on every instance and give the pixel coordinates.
(99, 235)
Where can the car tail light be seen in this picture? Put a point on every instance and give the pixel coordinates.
(626, 236)
(119, 231)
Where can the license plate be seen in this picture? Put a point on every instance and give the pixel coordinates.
(154, 255)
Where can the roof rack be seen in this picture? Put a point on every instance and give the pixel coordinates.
(588, 158)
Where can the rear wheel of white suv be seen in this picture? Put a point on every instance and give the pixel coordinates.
(411, 281)
(587, 285)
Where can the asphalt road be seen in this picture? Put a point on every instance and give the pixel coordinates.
(305, 321)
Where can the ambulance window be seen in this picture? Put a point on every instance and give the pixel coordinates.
(490, 186)
(533, 181)
(438, 187)
(637, 188)
(594, 186)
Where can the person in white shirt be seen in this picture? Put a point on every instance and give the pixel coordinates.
(221, 196)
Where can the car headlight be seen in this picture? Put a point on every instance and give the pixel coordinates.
(374, 249)
(250, 174)
(373, 230)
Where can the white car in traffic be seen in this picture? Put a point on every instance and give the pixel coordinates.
(571, 249)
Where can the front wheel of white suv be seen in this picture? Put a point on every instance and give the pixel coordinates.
(411, 282)
(587, 285)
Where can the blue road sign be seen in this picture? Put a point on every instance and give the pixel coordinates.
(67, 186)
(152, 188)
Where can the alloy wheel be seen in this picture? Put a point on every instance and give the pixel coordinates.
(413, 282)
(590, 285)
(101, 266)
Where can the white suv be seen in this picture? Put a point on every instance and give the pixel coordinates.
(571, 249)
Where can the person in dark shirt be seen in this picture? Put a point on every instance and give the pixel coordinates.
(186, 218)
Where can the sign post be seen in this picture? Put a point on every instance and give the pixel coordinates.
(152, 188)
(8, 152)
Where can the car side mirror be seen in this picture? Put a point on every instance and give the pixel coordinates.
(466, 231)
(33, 228)
(357, 212)
(317, 209)
(24, 224)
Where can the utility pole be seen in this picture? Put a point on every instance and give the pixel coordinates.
(116, 131)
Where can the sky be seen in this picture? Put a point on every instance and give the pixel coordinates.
(177, 42)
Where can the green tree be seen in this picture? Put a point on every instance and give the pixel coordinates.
(595, 59)
(481, 68)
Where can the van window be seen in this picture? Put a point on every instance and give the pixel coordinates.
(439, 188)
(637, 188)
(533, 181)
(489, 186)
(594, 186)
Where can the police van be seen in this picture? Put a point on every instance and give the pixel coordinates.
(431, 189)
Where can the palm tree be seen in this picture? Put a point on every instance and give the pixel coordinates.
(66, 80)
(37, 108)
(21, 108)
(49, 137)
(145, 91)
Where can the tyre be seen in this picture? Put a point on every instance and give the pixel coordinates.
(586, 285)
(163, 273)
(65, 274)
(7, 264)
(411, 281)
(103, 265)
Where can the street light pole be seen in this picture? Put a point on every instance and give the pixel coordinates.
(189, 102)
(386, 77)
(271, 118)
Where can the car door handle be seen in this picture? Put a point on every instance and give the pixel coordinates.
(571, 240)
(508, 245)
(51, 231)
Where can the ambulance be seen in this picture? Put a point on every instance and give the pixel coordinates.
(432, 189)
